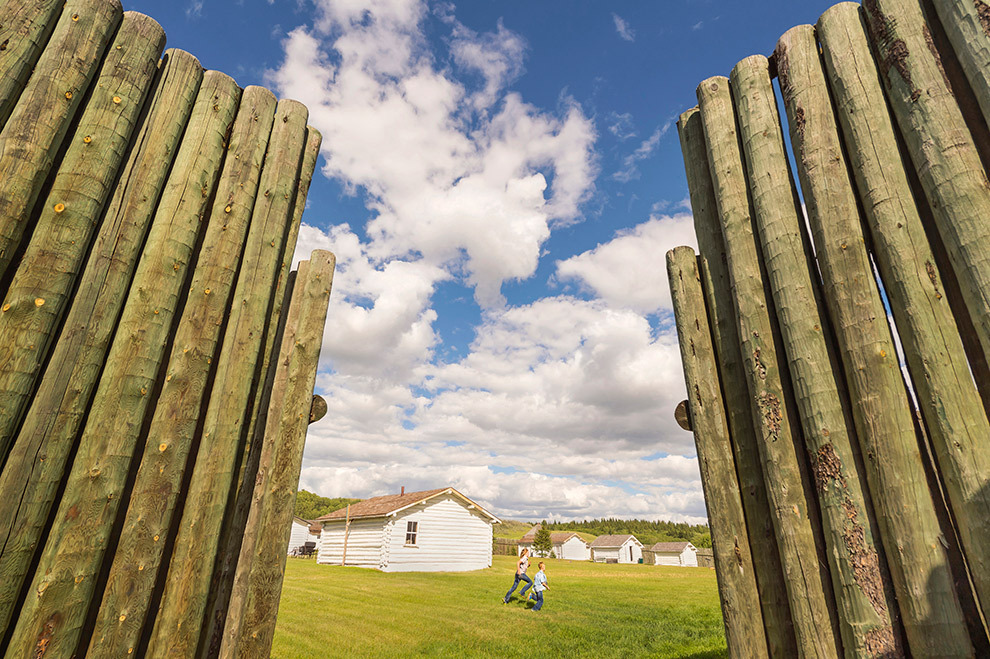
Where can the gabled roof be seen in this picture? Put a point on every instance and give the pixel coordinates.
(391, 504)
(603, 541)
(556, 537)
(531, 534)
(676, 547)
(300, 520)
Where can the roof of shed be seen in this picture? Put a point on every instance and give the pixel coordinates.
(613, 540)
(556, 537)
(393, 503)
(677, 547)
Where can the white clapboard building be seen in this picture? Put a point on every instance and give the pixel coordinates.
(566, 544)
(299, 536)
(672, 553)
(616, 549)
(432, 531)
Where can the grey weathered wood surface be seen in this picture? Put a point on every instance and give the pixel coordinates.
(34, 132)
(955, 418)
(967, 24)
(780, 442)
(38, 460)
(276, 489)
(182, 613)
(245, 469)
(718, 295)
(43, 281)
(173, 430)
(863, 590)
(744, 629)
(24, 31)
(59, 597)
(939, 144)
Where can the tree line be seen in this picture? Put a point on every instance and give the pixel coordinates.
(310, 506)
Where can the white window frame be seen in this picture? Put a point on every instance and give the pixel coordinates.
(412, 529)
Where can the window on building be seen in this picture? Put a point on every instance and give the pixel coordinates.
(412, 530)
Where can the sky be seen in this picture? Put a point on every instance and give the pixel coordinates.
(500, 183)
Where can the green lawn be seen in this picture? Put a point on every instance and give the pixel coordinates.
(592, 610)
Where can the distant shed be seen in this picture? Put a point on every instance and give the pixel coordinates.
(616, 549)
(683, 554)
(706, 558)
(566, 544)
(300, 534)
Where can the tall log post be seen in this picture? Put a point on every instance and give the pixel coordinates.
(45, 442)
(260, 572)
(862, 590)
(967, 24)
(948, 398)
(777, 429)
(733, 558)
(62, 589)
(24, 31)
(39, 292)
(171, 436)
(939, 144)
(34, 132)
(187, 588)
(244, 467)
(718, 297)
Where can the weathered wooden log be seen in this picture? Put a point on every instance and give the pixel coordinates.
(34, 132)
(863, 590)
(38, 460)
(780, 442)
(57, 602)
(260, 572)
(718, 296)
(948, 399)
(24, 31)
(939, 144)
(182, 612)
(967, 25)
(737, 590)
(239, 502)
(38, 296)
(172, 433)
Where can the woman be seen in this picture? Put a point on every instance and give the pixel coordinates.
(521, 568)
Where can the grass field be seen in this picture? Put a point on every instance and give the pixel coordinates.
(592, 610)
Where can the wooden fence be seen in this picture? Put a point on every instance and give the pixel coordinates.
(835, 339)
(505, 547)
(157, 357)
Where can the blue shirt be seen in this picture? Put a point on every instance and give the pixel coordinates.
(539, 584)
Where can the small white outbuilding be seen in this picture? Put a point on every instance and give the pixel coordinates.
(672, 553)
(431, 531)
(299, 536)
(566, 544)
(616, 549)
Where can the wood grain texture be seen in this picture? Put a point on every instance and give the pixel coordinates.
(34, 132)
(172, 434)
(178, 627)
(63, 585)
(949, 401)
(45, 441)
(275, 489)
(718, 296)
(24, 31)
(733, 559)
(38, 297)
(777, 427)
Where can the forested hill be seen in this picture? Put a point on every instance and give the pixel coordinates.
(310, 506)
(645, 531)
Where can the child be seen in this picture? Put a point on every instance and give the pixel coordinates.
(539, 585)
(521, 568)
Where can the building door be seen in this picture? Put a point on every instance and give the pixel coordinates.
(630, 554)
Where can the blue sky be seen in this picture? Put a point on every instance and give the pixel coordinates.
(500, 182)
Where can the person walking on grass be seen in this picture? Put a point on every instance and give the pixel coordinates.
(521, 568)
(540, 584)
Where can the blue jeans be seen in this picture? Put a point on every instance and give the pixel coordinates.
(539, 600)
(519, 577)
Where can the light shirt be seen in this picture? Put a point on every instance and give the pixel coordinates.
(523, 565)
(540, 582)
